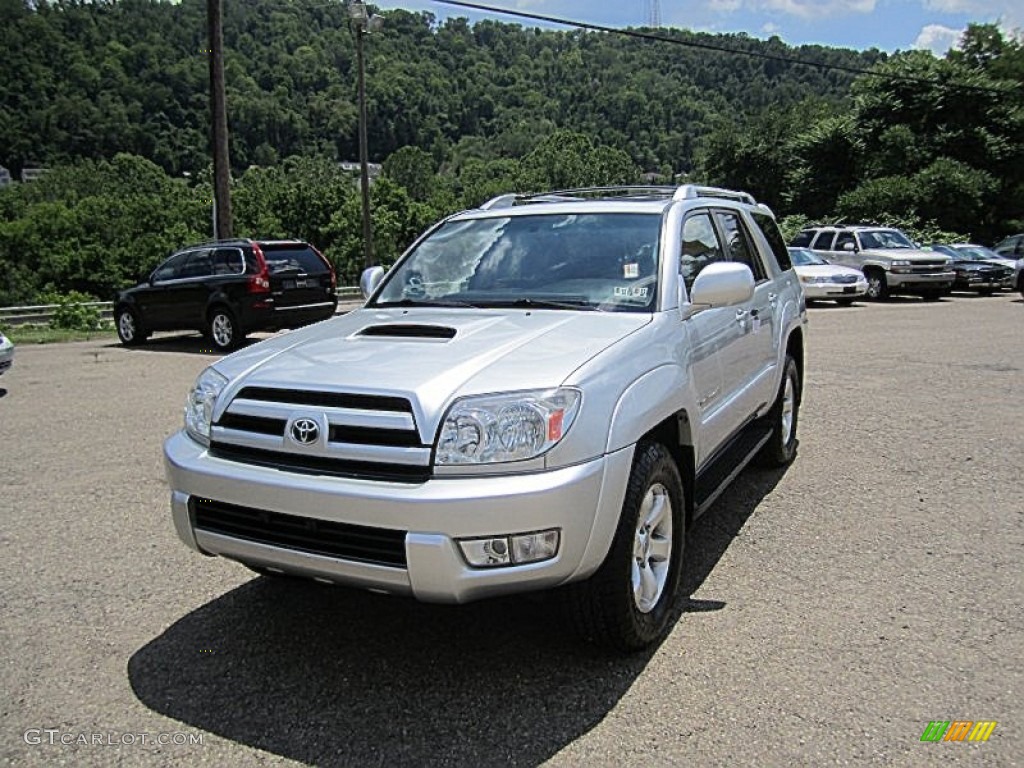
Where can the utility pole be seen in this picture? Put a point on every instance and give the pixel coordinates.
(364, 153)
(362, 24)
(219, 116)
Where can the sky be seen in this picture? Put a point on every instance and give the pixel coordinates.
(888, 25)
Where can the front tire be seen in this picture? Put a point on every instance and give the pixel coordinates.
(783, 417)
(129, 327)
(627, 604)
(878, 288)
(222, 330)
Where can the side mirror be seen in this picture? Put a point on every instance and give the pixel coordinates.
(724, 284)
(369, 280)
(849, 246)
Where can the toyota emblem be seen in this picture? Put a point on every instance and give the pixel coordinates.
(305, 431)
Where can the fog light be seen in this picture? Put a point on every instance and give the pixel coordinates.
(531, 547)
(486, 552)
(511, 550)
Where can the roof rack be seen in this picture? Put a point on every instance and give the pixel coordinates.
(685, 192)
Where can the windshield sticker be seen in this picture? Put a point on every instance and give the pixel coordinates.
(631, 292)
(631, 271)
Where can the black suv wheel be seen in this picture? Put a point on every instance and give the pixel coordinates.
(129, 327)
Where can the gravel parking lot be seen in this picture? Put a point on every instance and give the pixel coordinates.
(835, 608)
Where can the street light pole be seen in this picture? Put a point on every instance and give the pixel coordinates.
(363, 23)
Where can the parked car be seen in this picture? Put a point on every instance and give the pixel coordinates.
(546, 391)
(1012, 247)
(1018, 275)
(983, 276)
(978, 252)
(228, 289)
(888, 258)
(6, 353)
(821, 280)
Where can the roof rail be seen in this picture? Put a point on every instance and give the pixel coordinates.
(685, 192)
(690, 191)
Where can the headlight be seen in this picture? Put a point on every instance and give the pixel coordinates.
(899, 263)
(199, 404)
(507, 427)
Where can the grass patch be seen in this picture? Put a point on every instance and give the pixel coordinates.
(43, 334)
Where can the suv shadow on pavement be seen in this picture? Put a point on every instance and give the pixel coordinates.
(330, 676)
(188, 343)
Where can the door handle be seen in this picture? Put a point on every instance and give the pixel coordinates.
(741, 315)
(772, 298)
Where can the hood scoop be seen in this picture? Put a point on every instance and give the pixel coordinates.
(408, 331)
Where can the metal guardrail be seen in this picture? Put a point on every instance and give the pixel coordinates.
(42, 313)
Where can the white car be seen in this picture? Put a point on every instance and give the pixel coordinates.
(6, 353)
(821, 280)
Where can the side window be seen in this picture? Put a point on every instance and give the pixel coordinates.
(803, 240)
(700, 247)
(843, 239)
(738, 245)
(171, 269)
(776, 242)
(227, 261)
(200, 264)
(823, 242)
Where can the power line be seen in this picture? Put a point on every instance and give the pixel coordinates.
(663, 38)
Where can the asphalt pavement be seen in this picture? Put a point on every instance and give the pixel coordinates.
(833, 609)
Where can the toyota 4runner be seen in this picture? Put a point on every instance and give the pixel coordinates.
(889, 259)
(542, 392)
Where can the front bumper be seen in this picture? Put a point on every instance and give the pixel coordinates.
(911, 282)
(835, 290)
(582, 501)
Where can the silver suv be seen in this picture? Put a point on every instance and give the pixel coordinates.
(888, 258)
(542, 392)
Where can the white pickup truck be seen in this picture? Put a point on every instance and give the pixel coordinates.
(543, 392)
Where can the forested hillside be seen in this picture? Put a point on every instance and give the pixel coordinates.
(113, 98)
(91, 79)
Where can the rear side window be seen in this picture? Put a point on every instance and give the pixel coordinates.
(228, 261)
(200, 264)
(771, 233)
(843, 239)
(293, 258)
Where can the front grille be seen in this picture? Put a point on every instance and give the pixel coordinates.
(360, 436)
(845, 279)
(928, 270)
(359, 543)
(320, 465)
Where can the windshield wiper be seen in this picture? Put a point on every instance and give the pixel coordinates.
(407, 302)
(525, 301)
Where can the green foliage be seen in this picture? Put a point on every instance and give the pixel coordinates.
(73, 312)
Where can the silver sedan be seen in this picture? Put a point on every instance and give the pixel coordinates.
(6, 353)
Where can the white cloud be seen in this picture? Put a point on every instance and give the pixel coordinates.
(771, 29)
(938, 39)
(725, 6)
(818, 9)
(1008, 13)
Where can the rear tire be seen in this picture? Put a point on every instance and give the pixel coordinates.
(783, 417)
(878, 288)
(222, 330)
(628, 603)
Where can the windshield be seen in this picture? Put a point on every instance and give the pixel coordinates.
(805, 257)
(606, 261)
(884, 238)
(979, 252)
